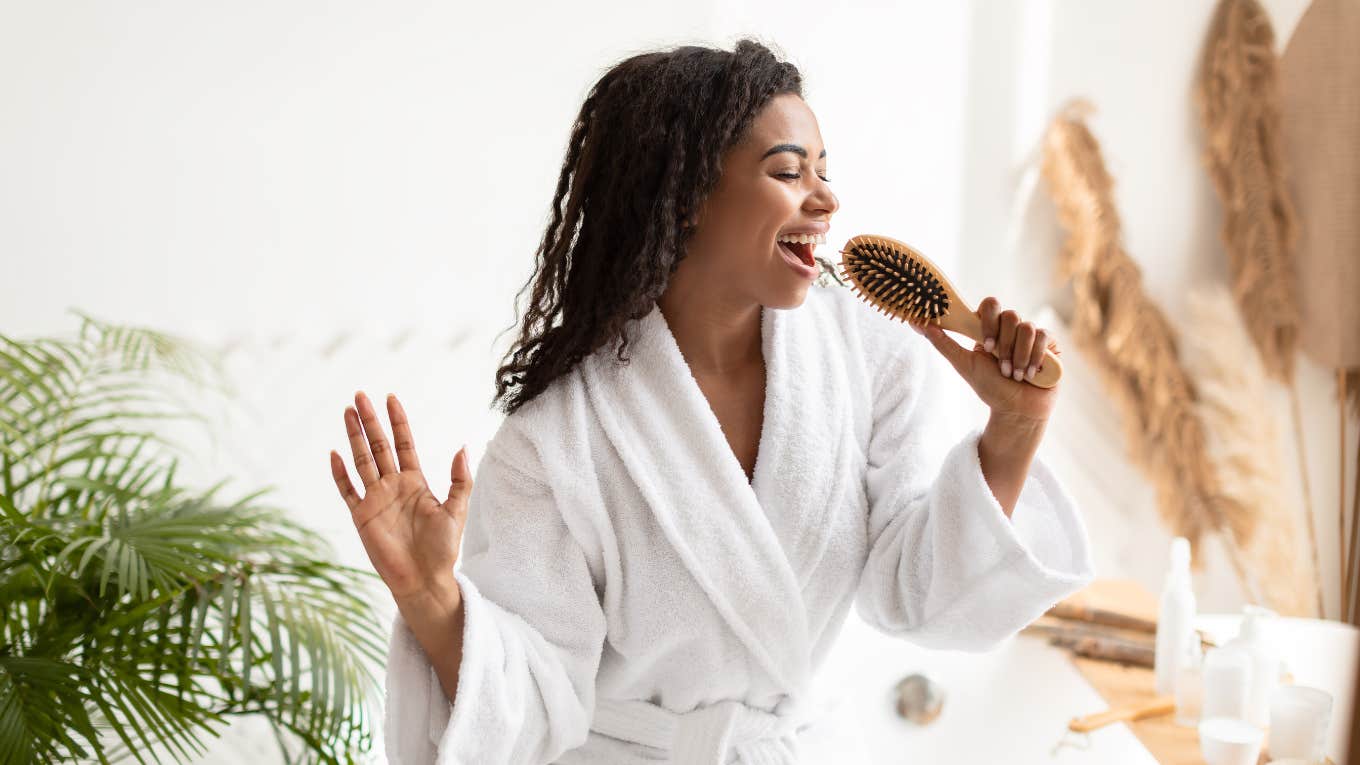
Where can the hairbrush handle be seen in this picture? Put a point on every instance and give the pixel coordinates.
(970, 324)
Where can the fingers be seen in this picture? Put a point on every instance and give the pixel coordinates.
(1005, 339)
(1036, 357)
(958, 357)
(363, 459)
(1024, 348)
(460, 477)
(989, 311)
(1018, 345)
(401, 434)
(377, 438)
(459, 472)
(342, 483)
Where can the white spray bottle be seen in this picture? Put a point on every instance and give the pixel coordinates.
(1175, 619)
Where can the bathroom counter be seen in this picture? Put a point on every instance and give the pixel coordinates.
(1317, 652)
(1012, 704)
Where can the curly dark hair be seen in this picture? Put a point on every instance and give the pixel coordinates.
(644, 151)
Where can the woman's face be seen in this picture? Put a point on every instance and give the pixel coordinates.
(773, 183)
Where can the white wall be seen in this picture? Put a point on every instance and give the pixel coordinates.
(348, 196)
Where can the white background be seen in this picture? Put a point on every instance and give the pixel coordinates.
(347, 196)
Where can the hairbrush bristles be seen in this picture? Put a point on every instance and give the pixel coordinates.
(895, 281)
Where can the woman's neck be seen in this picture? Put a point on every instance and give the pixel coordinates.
(717, 332)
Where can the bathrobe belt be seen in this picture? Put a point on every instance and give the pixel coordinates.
(706, 735)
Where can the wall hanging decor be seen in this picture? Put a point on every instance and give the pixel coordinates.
(1243, 439)
(1134, 347)
(1319, 75)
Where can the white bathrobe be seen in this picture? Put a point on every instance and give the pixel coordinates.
(631, 598)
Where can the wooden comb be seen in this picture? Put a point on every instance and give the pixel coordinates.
(902, 283)
(1161, 705)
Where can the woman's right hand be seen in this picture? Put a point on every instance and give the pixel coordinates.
(411, 537)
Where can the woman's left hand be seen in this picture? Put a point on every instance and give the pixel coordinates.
(996, 369)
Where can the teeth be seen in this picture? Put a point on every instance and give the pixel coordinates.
(803, 238)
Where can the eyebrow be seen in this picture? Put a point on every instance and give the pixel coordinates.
(793, 147)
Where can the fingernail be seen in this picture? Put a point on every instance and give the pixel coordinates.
(1018, 375)
(1006, 367)
(989, 344)
(1029, 373)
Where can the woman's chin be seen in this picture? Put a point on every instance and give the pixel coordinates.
(789, 296)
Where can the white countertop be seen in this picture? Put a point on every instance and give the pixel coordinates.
(1013, 704)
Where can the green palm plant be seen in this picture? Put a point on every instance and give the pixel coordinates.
(138, 616)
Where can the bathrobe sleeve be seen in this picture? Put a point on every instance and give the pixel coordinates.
(946, 568)
(533, 632)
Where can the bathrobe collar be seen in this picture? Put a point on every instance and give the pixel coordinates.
(749, 546)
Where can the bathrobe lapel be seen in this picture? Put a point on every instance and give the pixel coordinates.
(805, 469)
(749, 546)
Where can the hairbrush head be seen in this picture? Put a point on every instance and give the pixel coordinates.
(898, 280)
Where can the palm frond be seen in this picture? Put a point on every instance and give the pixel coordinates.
(139, 615)
(42, 709)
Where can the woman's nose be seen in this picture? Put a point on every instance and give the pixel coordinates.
(824, 201)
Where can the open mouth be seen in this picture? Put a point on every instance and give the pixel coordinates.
(802, 252)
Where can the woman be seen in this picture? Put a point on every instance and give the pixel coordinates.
(660, 553)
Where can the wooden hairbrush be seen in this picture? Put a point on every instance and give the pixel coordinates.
(900, 282)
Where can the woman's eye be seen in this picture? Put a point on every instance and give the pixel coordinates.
(795, 176)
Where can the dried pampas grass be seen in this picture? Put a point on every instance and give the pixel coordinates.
(1239, 104)
(1134, 347)
(1237, 93)
(1243, 442)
